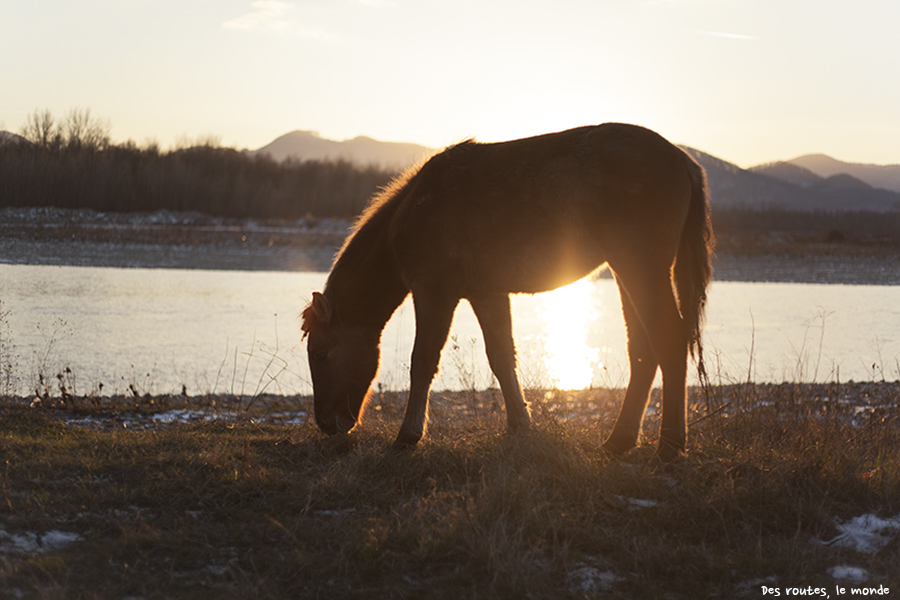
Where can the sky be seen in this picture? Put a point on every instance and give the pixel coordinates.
(749, 81)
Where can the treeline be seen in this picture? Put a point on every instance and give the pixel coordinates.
(72, 164)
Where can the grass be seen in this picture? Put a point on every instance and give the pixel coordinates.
(242, 509)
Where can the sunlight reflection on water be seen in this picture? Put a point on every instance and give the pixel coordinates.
(568, 314)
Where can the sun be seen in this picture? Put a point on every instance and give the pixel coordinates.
(567, 314)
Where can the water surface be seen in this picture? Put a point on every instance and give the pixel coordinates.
(160, 330)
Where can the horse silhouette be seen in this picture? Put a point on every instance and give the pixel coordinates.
(481, 221)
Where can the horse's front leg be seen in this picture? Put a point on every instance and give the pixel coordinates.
(434, 315)
(496, 323)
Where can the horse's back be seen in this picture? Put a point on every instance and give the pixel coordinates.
(533, 214)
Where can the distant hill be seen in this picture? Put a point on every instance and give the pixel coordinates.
(8, 137)
(789, 172)
(880, 176)
(308, 145)
(733, 187)
(790, 187)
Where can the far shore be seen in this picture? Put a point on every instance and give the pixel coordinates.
(164, 240)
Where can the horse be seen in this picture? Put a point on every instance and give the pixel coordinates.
(481, 221)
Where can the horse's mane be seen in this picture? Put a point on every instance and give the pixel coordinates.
(392, 191)
(376, 204)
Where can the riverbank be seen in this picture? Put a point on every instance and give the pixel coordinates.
(860, 403)
(167, 240)
(194, 241)
(784, 487)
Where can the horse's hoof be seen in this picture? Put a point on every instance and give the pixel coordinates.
(613, 448)
(518, 425)
(399, 447)
(667, 454)
(405, 443)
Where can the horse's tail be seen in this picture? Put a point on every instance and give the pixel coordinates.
(693, 264)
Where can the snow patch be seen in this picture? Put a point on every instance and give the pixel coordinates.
(591, 580)
(752, 586)
(32, 543)
(847, 573)
(864, 533)
(336, 513)
(637, 503)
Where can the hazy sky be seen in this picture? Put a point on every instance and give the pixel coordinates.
(749, 81)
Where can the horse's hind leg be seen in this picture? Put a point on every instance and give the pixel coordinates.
(496, 324)
(434, 315)
(643, 366)
(651, 294)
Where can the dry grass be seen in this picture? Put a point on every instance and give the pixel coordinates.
(238, 509)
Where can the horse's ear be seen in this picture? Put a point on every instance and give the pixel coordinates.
(322, 307)
(318, 313)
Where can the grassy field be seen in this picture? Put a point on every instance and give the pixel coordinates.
(239, 507)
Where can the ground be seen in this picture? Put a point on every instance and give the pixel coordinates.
(784, 486)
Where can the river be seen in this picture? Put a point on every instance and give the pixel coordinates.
(111, 330)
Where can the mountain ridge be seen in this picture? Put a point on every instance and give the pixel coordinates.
(878, 176)
(8, 137)
(787, 186)
(309, 145)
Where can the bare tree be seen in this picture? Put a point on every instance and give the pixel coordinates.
(40, 129)
(206, 140)
(83, 132)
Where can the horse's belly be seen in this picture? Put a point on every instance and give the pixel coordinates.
(496, 264)
(537, 270)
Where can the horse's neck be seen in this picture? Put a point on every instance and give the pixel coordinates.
(364, 285)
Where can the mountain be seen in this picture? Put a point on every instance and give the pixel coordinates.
(788, 172)
(308, 145)
(733, 187)
(789, 186)
(879, 176)
(8, 137)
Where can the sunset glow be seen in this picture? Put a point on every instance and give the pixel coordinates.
(567, 314)
(749, 82)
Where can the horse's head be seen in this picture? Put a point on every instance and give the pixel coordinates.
(343, 361)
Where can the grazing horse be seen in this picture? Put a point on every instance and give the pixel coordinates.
(482, 221)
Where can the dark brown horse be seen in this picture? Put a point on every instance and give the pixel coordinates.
(482, 221)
